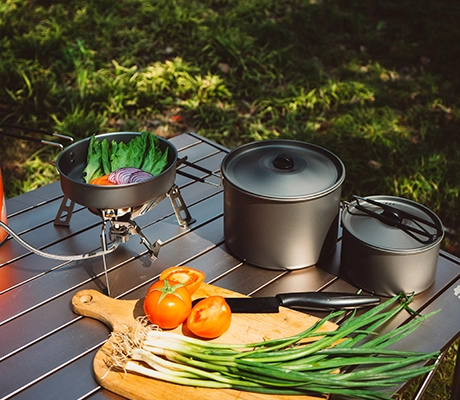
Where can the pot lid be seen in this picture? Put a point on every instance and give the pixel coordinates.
(392, 223)
(283, 169)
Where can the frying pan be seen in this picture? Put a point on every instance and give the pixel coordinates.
(72, 161)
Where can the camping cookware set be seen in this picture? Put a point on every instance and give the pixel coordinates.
(282, 210)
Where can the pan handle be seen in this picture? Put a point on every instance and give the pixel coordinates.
(34, 139)
(184, 160)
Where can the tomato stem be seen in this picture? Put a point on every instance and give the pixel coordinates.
(168, 289)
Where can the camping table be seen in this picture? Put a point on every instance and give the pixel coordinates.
(46, 350)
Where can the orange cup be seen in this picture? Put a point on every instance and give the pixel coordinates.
(3, 218)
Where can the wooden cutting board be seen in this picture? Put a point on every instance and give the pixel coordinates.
(245, 328)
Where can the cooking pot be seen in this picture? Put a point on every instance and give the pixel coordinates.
(72, 161)
(281, 203)
(390, 245)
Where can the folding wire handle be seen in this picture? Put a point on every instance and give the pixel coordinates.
(400, 219)
(199, 168)
(34, 139)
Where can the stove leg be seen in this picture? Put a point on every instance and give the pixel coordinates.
(65, 212)
(180, 209)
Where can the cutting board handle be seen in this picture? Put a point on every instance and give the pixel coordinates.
(116, 314)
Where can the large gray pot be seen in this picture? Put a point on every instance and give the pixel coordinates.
(382, 251)
(281, 203)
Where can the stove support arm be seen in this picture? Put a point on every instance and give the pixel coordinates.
(153, 249)
(123, 227)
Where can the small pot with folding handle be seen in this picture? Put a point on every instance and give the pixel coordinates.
(390, 245)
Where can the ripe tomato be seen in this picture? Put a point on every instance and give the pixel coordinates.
(167, 305)
(102, 180)
(190, 277)
(210, 318)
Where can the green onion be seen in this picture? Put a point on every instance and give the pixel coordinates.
(353, 360)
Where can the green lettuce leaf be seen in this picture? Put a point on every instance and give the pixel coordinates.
(128, 154)
(155, 160)
(143, 152)
(105, 157)
(118, 155)
(93, 167)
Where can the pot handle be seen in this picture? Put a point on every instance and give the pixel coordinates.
(395, 217)
(34, 139)
(196, 178)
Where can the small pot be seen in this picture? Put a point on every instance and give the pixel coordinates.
(281, 203)
(390, 245)
(72, 161)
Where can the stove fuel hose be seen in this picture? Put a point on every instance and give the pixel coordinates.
(92, 254)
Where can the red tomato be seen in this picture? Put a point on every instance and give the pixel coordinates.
(210, 318)
(190, 277)
(102, 180)
(167, 305)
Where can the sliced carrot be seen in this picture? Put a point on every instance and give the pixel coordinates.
(102, 180)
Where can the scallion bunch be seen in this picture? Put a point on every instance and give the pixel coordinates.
(353, 360)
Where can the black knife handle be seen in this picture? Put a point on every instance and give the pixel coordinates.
(326, 301)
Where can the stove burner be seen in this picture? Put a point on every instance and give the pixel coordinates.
(122, 224)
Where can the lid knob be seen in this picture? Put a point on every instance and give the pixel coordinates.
(283, 161)
(391, 216)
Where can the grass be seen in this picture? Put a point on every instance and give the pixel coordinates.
(439, 388)
(375, 82)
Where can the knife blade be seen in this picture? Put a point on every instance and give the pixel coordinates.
(325, 301)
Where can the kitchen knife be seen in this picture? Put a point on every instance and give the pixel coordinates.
(298, 300)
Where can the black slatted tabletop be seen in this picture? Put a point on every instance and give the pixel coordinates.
(46, 350)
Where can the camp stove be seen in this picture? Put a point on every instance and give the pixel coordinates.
(113, 203)
(121, 221)
(122, 224)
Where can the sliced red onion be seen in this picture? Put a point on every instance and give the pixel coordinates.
(139, 176)
(128, 175)
(121, 176)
